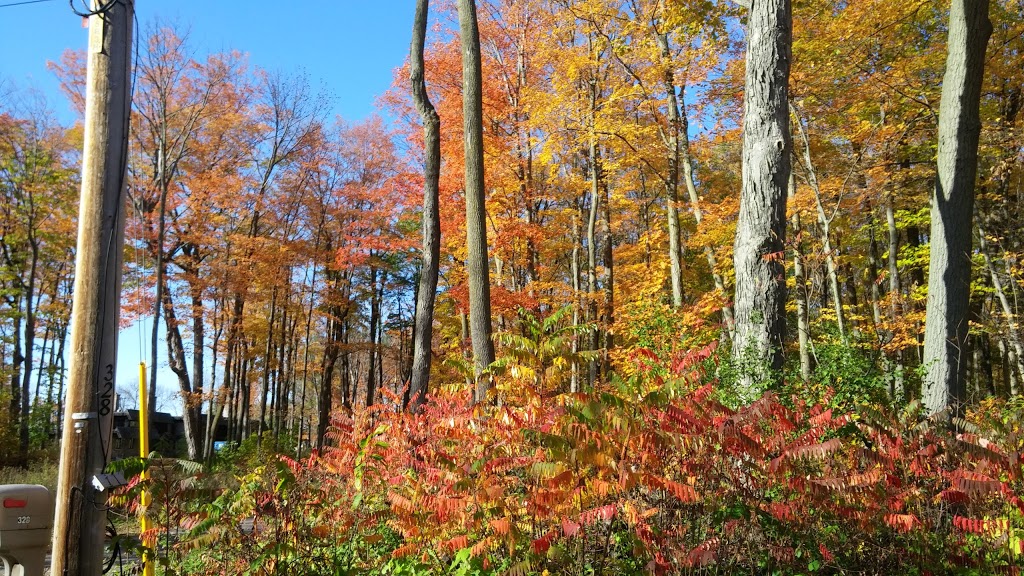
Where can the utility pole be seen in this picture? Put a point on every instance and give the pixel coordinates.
(85, 443)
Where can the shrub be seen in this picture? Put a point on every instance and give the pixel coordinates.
(631, 478)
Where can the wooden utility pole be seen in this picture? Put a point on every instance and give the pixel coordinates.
(85, 444)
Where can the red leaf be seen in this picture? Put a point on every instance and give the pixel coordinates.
(569, 528)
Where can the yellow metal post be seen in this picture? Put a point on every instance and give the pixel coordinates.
(147, 541)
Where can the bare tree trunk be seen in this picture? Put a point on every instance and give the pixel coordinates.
(267, 369)
(198, 351)
(245, 396)
(427, 290)
(759, 249)
(800, 289)
(348, 387)
(825, 221)
(875, 295)
(672, 182)
(161, 267)
(62, 338)
(608, 319)
(371, 375)
(476, 211)
(949, 277)
(728, 316)
(985, 345)
(1012, 329)
(281, 401)
(1011, 376)
(17, 361)
(217, 395)
(595, 203)
(286, 396)
(176, 362)
(894, 289)
(332, 347)
(17, 366)
(574, 384)
(29, 353)
(44, 362)
(230, 370)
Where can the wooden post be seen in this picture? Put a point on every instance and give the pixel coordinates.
(85, 444)
(147, 540)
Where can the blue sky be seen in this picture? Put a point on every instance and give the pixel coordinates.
(349, 47)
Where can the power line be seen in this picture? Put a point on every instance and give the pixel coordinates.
(23, 3)
(89, 12)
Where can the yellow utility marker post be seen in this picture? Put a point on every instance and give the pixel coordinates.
(147, 558)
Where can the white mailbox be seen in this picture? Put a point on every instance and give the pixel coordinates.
(26, 520)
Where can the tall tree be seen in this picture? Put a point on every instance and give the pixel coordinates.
(761, 231)
(477, 268)
(952, 207)
(36, 207)
(430, 260)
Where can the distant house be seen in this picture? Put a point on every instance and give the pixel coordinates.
(166, 434)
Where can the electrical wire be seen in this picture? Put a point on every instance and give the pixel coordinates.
(88, 12)
(23, 3)
(140, 255)
(116, 552)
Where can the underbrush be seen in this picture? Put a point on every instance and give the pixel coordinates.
(43, 471)
(653, 475)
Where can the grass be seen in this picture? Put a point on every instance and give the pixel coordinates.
(42, 472)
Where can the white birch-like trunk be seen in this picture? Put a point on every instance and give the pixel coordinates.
(759, 249)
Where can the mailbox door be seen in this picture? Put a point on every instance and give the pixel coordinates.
(25, 507)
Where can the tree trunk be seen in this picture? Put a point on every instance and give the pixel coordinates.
(595, 204)
(759, 248)
(17, 366)
(267, 367)
(29, 355)
(63, 336)
(825, 221)
(45, 363)
(176, 362)
(158, 247)
(198, 351)
(423, 330)
(875, 294)
(347, 381)
(1012, 329)
(371, 374)
(672, 182)
(280, 402)
(574, 384)
(894, 288)
(728, 316)
(245, 394)
(218, 397)
(803, 327)
(949, 277)
(332, 347)
(608, 319)
(476, 225)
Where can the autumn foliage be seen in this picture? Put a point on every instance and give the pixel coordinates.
(635, 477)
(279, 248)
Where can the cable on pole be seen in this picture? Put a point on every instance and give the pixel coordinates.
(89, 12)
